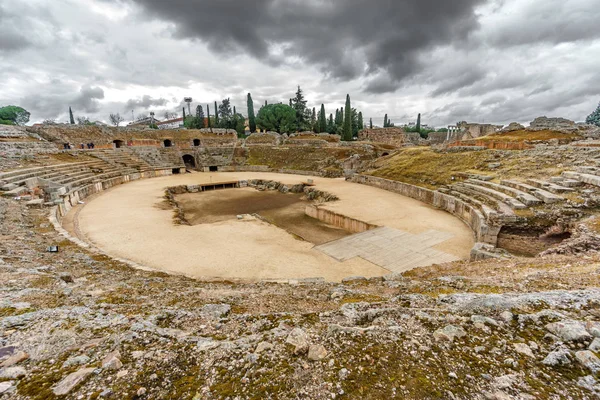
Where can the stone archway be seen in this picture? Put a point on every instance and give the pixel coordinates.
(118, 143)
(168, 143)
(189, 161)
(196, 142)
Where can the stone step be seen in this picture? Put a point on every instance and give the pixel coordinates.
(541, 194)
(36, 203)
(487, 211)
(15, 192)
(495, 204)
(561, 180)
(549, 186)
(506, 199)
(523, 197)
(585, 178)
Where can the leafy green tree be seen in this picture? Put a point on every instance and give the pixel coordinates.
(347, 135)
(303, 116)
(226, 115)
(84, 121)
(594, 118)
(251, 117)
(322, 120)
(277, 117)
(71, 119)
(13, 115)
(361, 124)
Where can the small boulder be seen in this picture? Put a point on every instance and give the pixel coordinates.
(558, 357)
(317, 352)
(13, 373)
(483, 320)
(524, 349)
(66, 277)
(112, 361)
(15, 359)
(70, 381)
(76, 360)
(449, 333)
(263, 346)
(588, 360)
(299, 339)
(595, 345)
(216, 310)
(569, 330)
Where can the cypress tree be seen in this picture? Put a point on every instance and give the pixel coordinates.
(72, 120)
(348, 120)
(385, 121)
(290, 102)
(370, 123)
(216, 114)
(234, 112)
(251, 117)
(322, 119)
(361, 125)
(331, 124)
(183, 115)
(266, 103)
(313, 121)
(419, 123)
(208, 115)
(199, 117)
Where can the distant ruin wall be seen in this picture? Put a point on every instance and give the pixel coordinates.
(391, 136)
(472, 217)
(493, 144)
(338, 220)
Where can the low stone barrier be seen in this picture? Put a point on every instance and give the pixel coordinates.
(472, 217)
(338, 220)
(73, 197)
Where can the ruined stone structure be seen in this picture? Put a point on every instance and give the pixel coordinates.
(391, 136)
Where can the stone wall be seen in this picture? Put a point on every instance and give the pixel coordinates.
(473, 218)
(392, 136)
(338, 220)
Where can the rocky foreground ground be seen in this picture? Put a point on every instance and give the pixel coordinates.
(78, 325)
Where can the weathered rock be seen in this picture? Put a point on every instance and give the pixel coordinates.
(216, 310)
(317, 352)
(569, 330)
(299, 339)
(15, 359)
(112, 361)
(449, 333)
(595, 345)
(70, 381)
(588, 360)
(483, 320)
(593, 328)
(206, 344)
(263, 346)
(13, 373)
(354, 279)
(76, 360)
(524, 349)
(5, 386)
(558, 357)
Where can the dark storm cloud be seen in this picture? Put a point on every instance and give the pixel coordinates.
(145, 102)
(87, 99)
(12, 36)
(345, 38)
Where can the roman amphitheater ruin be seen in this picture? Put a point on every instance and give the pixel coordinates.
(191, 264)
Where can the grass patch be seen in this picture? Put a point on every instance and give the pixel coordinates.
(525, 135)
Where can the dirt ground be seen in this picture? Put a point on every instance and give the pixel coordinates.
(128, 222)
(286, 211)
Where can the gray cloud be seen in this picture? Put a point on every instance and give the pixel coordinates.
(345, 38)
(145, 102)
(87, 99)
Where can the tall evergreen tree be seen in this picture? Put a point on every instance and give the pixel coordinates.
(370, 123)
(208, 116)
(266, 104)
(71, 119)
(331, 124)
(385, 121)
(251, 117)
(313, 120)
(234, 111)
(348, 120)
(361, 124)
(419, 123)
(216, 114)
(303, 115)
(184, 115)
(200, 117)
(322, 119)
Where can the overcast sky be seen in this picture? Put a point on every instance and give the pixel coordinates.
(493, 61)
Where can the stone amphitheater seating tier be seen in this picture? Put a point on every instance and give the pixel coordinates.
(157, 157)
(541, 194)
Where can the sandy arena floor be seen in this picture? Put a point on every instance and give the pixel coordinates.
(130, 222)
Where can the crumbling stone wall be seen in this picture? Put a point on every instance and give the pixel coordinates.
(391, 136)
